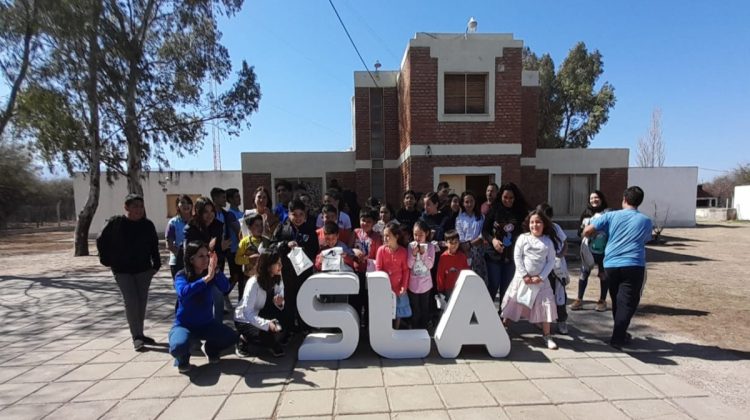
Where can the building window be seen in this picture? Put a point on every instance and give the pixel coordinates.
(377, 149)
(465, 93)
(569, 194)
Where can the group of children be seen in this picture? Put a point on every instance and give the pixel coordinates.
(423, 253)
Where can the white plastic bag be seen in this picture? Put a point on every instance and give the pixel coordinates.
(587, 258)
(561, 270)
(526, 294)
(299, 260)
(332, 259)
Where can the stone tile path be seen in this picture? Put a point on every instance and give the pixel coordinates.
(67, 355)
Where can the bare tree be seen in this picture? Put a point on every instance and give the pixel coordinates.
(651, 150)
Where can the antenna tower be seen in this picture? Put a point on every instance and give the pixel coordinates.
(216, 139)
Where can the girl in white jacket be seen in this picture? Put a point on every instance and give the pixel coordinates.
(530, 295)
(259, 311)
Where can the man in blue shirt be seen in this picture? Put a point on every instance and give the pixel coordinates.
(283, 197)
(624, 259)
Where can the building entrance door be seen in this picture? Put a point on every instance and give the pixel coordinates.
(478, 184)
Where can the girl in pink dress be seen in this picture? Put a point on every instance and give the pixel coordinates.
(392, 258)
(530, 295)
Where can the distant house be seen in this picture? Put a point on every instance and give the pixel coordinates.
(705, 199)
(460, 109)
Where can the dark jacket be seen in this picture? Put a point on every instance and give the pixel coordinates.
(194, 232)
(128, 246)
(505, 224)
(438, 222)
(407, 217)
(305, 237)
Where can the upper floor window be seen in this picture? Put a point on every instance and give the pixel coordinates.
(465, 93)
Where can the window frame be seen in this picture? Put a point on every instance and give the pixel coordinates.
(449, 109)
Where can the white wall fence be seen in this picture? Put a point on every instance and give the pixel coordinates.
(742, 201)
(157, 187)
(670, 194)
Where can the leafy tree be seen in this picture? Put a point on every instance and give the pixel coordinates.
(60, 111)
(17, 178)
(723, 186)
(572, 111)
(651, 149)
(162, 58)
(126, 80)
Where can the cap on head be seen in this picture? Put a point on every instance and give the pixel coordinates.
(132, 197)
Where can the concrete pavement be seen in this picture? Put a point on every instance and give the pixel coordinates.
(67, 354)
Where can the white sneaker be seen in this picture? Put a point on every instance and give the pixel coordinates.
(562, 327)
(550, 342)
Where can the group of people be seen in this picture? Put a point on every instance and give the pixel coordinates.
(423, 246)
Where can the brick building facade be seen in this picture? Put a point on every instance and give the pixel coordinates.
(460, 109)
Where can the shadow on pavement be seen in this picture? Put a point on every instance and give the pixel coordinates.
(659, 352)
(660, 254)
(668, 310)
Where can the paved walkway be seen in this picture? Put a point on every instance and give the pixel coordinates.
(66, 354)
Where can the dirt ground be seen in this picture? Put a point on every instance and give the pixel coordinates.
(696, 286)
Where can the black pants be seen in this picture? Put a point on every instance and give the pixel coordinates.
(359, 301)
(562, 310)
(625, 284)
(420, 309)
(266, 338)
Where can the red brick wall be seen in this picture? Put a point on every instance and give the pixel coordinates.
(420, 104)
(362, 185)
(252, 181)
(390, 123)
(530, 120)
(347, 180)
(612, 182)
(393, 187)
(362, 122)
(404, 105)
(534, 184)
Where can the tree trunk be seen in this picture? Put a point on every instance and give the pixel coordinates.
(92, 203)
(28, 35)
(86, 216)
(132, 134)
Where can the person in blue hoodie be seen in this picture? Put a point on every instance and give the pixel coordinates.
(194, 318)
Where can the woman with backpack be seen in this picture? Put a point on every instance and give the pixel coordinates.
(597, 206)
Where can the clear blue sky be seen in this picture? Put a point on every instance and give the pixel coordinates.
(691, 59)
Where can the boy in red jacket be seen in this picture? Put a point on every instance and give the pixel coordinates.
(452, 261)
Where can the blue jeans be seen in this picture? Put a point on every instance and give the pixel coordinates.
(217, 335)
(499, 275)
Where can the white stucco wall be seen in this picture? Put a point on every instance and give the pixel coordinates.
(578, 161)
(670, 188)
(742, 202)
(154, 197)
(299, 164)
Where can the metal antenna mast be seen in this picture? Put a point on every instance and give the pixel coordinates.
(217, 141)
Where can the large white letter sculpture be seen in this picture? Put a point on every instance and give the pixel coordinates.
(329, 346)
(455, 329)
(386, 341)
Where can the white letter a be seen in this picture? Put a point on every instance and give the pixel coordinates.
(470, 298)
